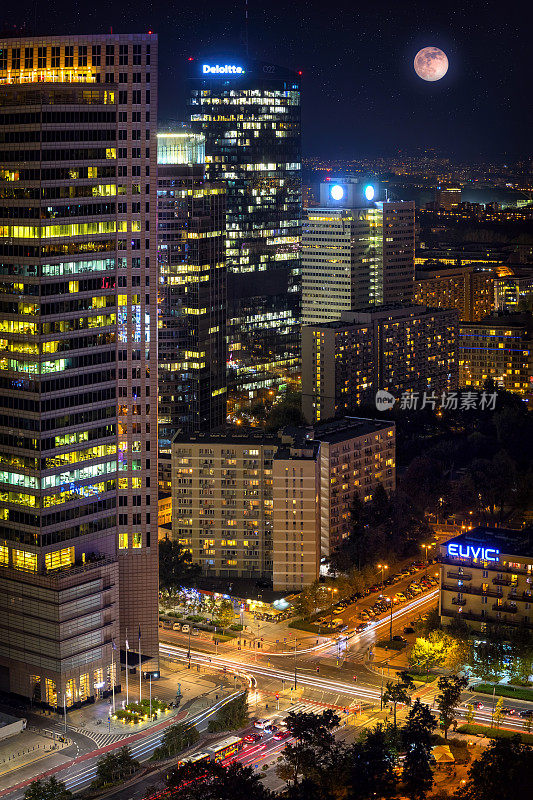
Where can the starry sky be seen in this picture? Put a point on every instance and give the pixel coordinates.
(361, 97)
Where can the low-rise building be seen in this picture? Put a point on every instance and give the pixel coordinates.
(486, 579)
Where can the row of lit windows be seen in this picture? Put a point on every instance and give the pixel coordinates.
(76, 229)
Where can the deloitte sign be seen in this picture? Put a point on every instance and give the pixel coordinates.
(226, 69)
(483, 553)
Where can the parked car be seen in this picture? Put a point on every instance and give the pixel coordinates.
(184, 628)
(195, 632)
(176, 626)
(415, 589)
(408, 629)
(398, 639)
(401, 597)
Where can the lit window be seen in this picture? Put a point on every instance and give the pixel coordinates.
(24, 559)
(123, 541)
(59, 558)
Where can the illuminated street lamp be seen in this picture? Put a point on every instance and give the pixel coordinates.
(382, 567)
(334, 592)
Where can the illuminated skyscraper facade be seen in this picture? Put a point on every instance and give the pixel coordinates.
(78, 367)
(357, 250)
(192, 290)
(250, 116)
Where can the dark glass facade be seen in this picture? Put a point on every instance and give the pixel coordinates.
(250, 116)
(192, 291)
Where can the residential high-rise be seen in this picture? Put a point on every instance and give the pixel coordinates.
(192, 290)
(78, 315)
(499, 348)
(396, 348)
(249, 112)
(253, 505)
(357, 250)
(514, 292)
(467, 288)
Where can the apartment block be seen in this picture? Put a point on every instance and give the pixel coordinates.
(396, 348)
(356, 456)
(499, 348)
(468, 289)
(486, 577)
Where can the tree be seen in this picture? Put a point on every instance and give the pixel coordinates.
(314, 754)
(176, 567)
(399, 691)
(287, 411)
(374, 759)
(502, 772)
(203, 780)
(488, 658)
(428, 653)
(232, 716)
(416, 736)
(114, 767)
(450, 693)
(470, 714)
(50, 789)
(498, 713)
(225, 613)
(175, 739)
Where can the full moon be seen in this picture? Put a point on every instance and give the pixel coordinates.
(431, 64)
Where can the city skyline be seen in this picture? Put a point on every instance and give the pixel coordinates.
(360, 94)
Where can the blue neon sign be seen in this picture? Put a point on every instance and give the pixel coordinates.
(225, 69)
(482, 553)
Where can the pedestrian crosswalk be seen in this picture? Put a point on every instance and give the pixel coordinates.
(306, 708)
(100, 739)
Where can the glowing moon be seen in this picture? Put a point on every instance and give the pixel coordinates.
(431, 64)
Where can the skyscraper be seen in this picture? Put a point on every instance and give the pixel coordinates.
(250, 115)
(78, 406)
(192, 290)
(357, 250)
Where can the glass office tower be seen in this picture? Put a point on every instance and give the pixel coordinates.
(78, 362)
(249, 113)
(192, 290)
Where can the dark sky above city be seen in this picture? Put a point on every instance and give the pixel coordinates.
(361, 96)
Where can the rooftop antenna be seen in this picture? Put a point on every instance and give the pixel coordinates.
(246, 28)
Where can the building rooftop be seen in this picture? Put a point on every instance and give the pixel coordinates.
(231, 436)
(503, 320)
(347, 428)
(507, 541)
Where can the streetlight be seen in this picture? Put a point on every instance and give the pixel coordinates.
(382, 567)
(334, 591)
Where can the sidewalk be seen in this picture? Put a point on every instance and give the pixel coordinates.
(26, 748)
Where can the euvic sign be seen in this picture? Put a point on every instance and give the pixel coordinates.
(226, 69)
(469, 551)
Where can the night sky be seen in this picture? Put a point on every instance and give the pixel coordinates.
(361, 96)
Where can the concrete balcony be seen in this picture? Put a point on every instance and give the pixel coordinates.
(507, 608)
(460, 576)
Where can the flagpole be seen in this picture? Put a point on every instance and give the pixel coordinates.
(127, 686)
(140, 673)
(113, 673)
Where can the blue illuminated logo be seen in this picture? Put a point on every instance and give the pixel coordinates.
(481, 553)
(337, 192)
(226, 69)
(369, 192)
